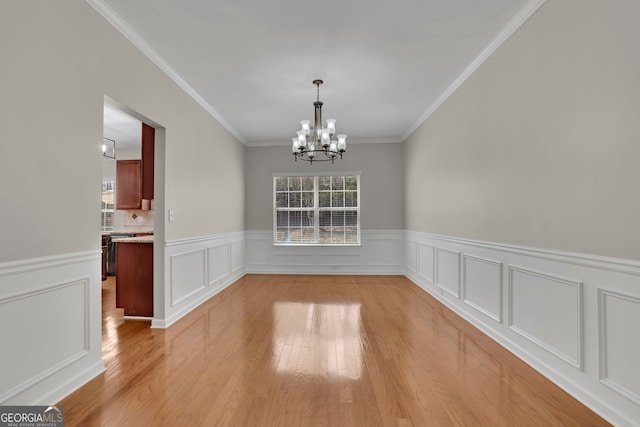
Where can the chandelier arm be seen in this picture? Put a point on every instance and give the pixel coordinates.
(327, 152)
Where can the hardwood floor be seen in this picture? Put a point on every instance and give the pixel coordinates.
(281, 350)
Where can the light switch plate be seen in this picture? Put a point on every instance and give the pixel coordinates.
(170, 215)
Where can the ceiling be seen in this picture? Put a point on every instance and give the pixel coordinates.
(122, 128)
(386, 65)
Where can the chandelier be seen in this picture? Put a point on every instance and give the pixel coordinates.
(317, 143)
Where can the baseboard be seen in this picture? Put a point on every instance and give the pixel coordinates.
(586, 343)
(197, 269)
(73, 383)
(202, 298)
(505, 290)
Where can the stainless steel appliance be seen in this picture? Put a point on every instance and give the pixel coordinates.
(111, 252)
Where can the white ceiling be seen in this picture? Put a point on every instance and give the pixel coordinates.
(386, 64)
(122, 128)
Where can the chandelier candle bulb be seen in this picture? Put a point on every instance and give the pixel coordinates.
(312, 141)
(325, 138)
(305, 127)
(331, 126)
(342, 143)
(302, 139)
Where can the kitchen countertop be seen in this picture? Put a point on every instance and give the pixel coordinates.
(129, 230)
(139, 239)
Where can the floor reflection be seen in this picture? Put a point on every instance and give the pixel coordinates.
(322, 340)
(350, 351)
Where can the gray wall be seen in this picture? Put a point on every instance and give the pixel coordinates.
(61, 59)
(540, 147)
(381, 186)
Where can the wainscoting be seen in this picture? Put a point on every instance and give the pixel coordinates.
(381, 252)
(572, 317)
(196, 269)
(49, 326)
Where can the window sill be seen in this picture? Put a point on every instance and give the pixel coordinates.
(317, 245)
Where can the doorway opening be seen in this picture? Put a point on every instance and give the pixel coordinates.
(132, 217)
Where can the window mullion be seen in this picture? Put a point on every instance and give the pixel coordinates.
(358, 223)
(316, 211)
(275, 209)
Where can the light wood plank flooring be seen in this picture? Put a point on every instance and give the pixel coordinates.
(282, 350)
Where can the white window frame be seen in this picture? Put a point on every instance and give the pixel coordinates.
(108, 193)
(316, 209)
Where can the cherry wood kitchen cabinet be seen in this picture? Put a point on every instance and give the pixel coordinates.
(134, 277)
(148, 149)
(134, 178)
(129, 184)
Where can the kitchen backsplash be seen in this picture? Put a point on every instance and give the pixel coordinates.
(138, 218)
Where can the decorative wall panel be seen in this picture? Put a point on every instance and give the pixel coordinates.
(448, 271)
(573, 317)
(218, 262)
(50, 323)
(620, 343)
(482, 285)
(426, 262)
(381, 252)
(198, 268)
(411, 255)
(237, 255)
(548, 311)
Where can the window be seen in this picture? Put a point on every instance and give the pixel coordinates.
(108, 204)
(316, 210)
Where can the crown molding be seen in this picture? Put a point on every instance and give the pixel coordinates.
(130, 34)
(280, 143)
(511, 27)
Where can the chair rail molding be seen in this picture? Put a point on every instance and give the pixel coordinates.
(565, 314)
